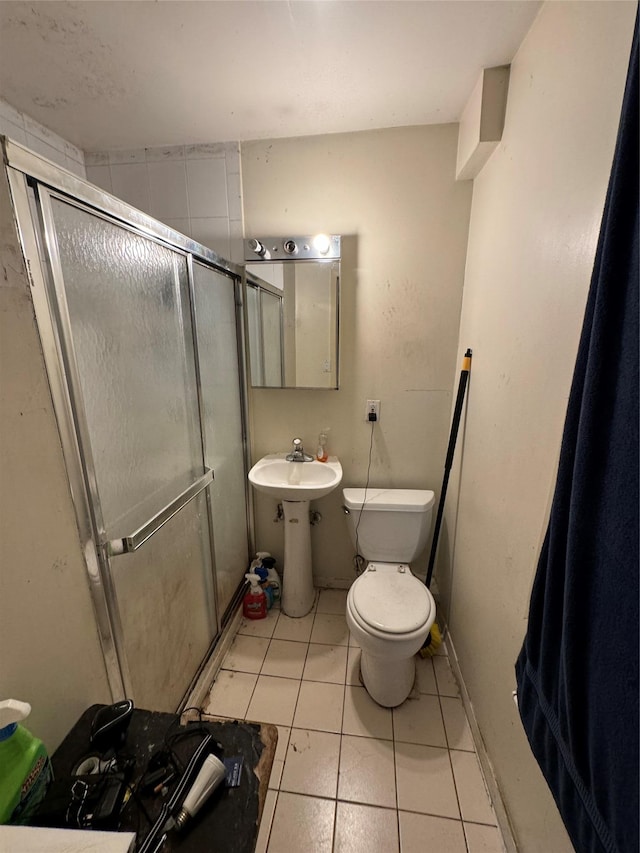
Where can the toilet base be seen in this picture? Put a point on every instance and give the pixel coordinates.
(388, 682)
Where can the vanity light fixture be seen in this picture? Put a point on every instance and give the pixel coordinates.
(321, 247)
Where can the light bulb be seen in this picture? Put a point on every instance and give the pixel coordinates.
(322, 243)
(257, 247)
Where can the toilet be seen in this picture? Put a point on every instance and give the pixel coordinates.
(389, 611)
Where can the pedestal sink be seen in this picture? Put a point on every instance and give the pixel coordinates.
(295, 484)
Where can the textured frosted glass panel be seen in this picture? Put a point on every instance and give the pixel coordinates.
(272, 340)
(162, 601)
(131, 329)
(253, 322)
(219, 375)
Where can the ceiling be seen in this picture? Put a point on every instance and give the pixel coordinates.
(112, 74)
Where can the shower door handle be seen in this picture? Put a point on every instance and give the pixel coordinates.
(130, 543)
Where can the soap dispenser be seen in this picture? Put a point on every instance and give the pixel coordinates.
(321, 453)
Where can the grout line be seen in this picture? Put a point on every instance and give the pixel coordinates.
(300, 679)
(480, 823)
(320, 797)
(335, 820)
(395, 773)
(344, 702)
(369, 805)
(273, 820)
(257, 674)
(453, 775)
(435, 814)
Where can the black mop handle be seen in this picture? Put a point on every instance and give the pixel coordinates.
(462, 385)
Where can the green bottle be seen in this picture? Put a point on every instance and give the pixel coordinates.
(25, 768)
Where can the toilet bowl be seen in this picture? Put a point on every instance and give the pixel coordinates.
(389, 611)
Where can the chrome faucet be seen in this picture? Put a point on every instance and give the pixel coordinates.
(298, 454)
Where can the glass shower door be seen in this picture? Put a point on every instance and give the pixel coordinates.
(217, 337)
(123, 301)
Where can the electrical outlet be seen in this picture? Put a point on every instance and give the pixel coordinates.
(373, 408)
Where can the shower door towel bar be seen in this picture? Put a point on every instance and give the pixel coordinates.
(130, 543)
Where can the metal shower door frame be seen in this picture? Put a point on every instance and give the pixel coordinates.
(35, 222)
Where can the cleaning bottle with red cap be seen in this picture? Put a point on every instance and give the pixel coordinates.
(254, 604)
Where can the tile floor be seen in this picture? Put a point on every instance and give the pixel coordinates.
(348, 775)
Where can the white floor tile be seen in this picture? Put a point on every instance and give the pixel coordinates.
(274, 700)
(330, 629)
(332, 601)
(383, 761)
(425, 780)
(353, 666)
(289, 628)
(302, 824)
(230, 695)
(278, 760)
(284, 733)
(275, 776)
(425, 676)
(366, 771)
(285, 659)
(266, 821)
(311, 766)
(419, 721)
(447, 685)
(260, 627)
(365, 829)
(483, 839)
(421, 833)
(456, 724)
(472, 793)
(319, 707)
(326, 663)
(363, 716)
(246, 654)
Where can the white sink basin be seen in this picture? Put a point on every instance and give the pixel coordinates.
(295, 481)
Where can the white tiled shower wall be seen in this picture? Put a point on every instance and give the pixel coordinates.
(195, 189)
(22, 128)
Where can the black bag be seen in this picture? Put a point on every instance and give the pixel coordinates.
(84, 802)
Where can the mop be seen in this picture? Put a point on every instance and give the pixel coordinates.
(434, 637)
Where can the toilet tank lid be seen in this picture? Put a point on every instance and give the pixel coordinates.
(389, 500)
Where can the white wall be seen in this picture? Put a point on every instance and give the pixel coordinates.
(392, 195)
(535, 218)
(194, 189)
(51, 655)
(25, 130)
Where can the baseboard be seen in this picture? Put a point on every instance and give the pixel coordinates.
(485, 762)
(208, 675)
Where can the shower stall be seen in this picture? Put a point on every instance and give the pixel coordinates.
(142, 337)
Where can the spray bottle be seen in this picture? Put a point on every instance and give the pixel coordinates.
(25, 768)
(273, 578)
(254, 604)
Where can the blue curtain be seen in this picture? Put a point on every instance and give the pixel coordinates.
(577, 672)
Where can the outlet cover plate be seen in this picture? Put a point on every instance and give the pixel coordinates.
(372, 406)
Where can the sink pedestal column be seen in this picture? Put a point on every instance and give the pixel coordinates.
(298, 593)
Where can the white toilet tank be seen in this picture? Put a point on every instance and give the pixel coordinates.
(392, 524)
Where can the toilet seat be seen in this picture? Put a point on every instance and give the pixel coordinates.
(387, 600)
